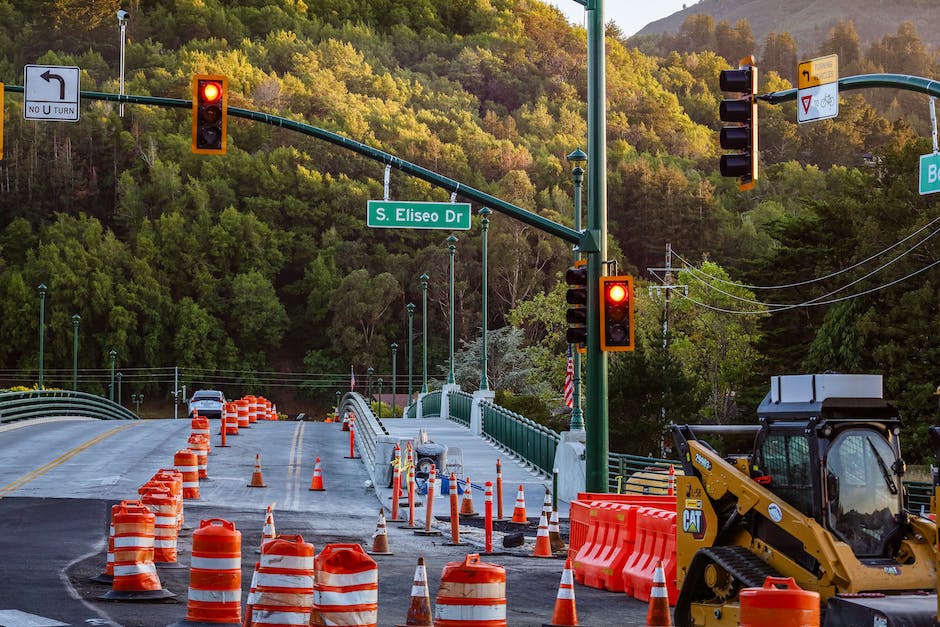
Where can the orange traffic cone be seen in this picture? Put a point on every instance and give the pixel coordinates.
(543, 546)
(257, 481)
(518, 512)
(380, 537)
(671, 490)
(419, 612)
(466, 505)
(316, 483)
(658, 614)
(554, 533)
(252, 596)
(566, 612)
(267, 531)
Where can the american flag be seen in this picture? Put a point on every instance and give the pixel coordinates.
(352, 379)
(569, 380)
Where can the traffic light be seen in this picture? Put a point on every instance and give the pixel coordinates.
(742, 112)
(616, 298)
(576, 297)
(210, 112)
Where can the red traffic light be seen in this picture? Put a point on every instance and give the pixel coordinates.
(209, 114)
(210, 91)
(616, 293)
(616, 313)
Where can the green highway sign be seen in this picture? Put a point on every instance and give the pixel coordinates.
(405, 214)
(930, 173)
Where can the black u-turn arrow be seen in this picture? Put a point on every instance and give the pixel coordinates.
(48, 76)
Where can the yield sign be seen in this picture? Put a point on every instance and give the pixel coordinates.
(818, 103)
(805, 101)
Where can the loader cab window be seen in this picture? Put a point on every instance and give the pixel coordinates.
(785, 458)
(862, 491)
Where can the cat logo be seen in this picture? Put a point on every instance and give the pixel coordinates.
(693, 522)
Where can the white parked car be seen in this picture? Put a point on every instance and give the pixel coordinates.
(207, 403)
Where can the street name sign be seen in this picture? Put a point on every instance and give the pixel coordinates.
(817, 96)
(410, 214)
(930, 173)
(51, 92)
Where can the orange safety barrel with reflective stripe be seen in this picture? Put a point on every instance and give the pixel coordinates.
(200, 445)
(230, 415)
(472, 594)
(241, 409)
(215, 574)
(200, 426)
(346, 591)
(252, 409)
(159, 500)
(284, 583)
(134, 570)
(187, 463)
(173, 478)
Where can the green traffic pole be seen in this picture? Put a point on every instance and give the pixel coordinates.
(113, 355)
(75, 320)
(378, 383)
(595, 245)
(120, 377)
(424, 334)
(452, 249)
(394, 377)
(42, 330)
(411, 334)
(485, 212)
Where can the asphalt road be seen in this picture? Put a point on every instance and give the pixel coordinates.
(59, 479)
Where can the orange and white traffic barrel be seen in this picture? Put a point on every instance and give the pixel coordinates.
(159, 500)
(346, 591)
(200, 426)
(230, 415)
(200, 445)
(252, 409)
(187, 462)
(108, 575)
(215, 575)
(173, 478)
(241, 413)
(135, 575)
(472, 593)
(284, 583)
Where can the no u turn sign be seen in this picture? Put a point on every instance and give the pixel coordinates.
(51, 92)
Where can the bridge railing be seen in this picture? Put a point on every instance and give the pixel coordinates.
(529, 441)
(49, 403)
(367, 427)
(460, 405)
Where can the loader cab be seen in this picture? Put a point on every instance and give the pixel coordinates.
(837, 460)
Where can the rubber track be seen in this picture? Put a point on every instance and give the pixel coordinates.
(748, 571)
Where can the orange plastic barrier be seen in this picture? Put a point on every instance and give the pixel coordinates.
(655, 543)
(600, 562)
(346, 591)
(769, 605)
(580, 512)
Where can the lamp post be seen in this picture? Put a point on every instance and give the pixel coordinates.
(578, 159)
(120, 377)
(394, 375)
(338, 394)
(42, 329)
(424, 333)
(122, 16)
(137, 399)
(452, 249)
(75, 320)
(379, 384)
(411, 333)
(370, 372)
(113, 355)
(484, 225)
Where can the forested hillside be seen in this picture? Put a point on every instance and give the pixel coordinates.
(260, 260)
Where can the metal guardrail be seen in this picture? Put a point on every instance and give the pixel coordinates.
(531, 442)
(29, 404)
(459, 405)
(431, 404)
(367, 426)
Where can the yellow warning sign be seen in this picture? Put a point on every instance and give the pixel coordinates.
(818, 71)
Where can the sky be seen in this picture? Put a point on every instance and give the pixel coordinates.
(630, 15)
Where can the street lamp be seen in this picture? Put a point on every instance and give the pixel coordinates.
(113, 355)
(577, 159)
(379, 383)
(137, 399)
(42, 329)
(370, 372)
(424, 334)
(122, 16)
(411, 334)
(452, 249)
(338, 394)
(485, 212)
(120, 377)
(394, 377)
(75, 320)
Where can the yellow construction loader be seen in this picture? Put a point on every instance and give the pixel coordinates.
(817, 496)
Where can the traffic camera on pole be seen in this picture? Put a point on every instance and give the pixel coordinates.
(210, 113)
(742, 113)
(576, 297)
(616, 315)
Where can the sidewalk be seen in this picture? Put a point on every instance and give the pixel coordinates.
(479, 463)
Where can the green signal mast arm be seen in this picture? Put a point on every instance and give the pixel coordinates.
(865, 81)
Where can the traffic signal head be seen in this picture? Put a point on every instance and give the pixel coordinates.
(616, 315)
(210, 111)
(742, 112)
(576, 297)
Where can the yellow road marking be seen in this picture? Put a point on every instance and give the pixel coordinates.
(61, 459)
